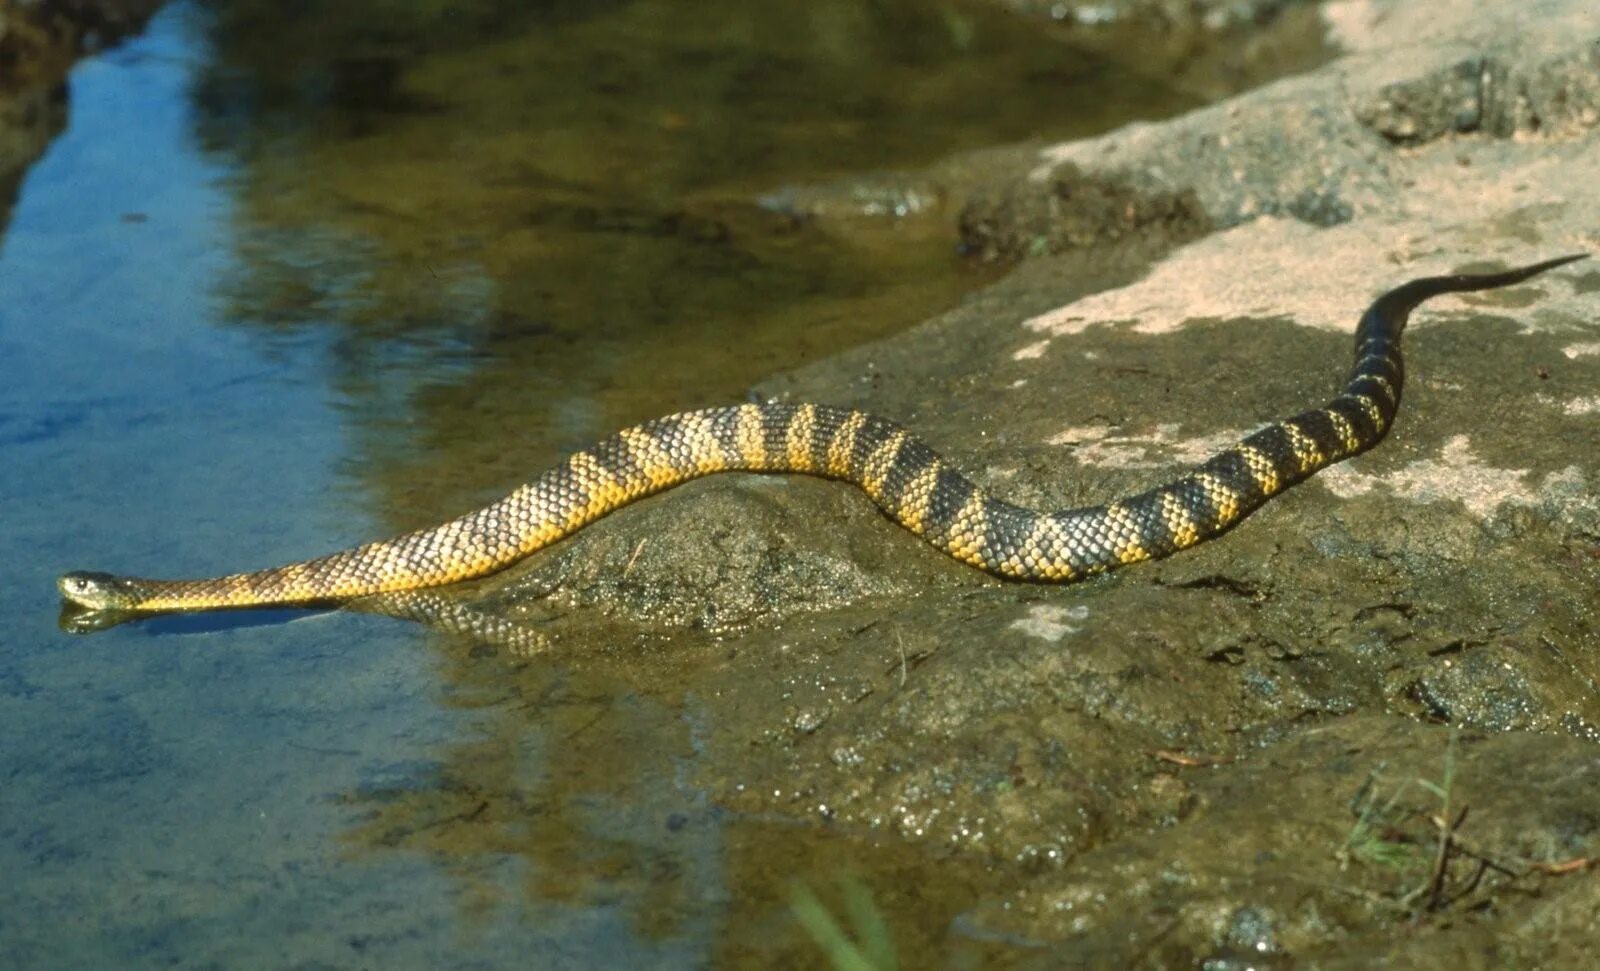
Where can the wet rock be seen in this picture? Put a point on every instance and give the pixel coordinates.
(1315, 864)
(723, 559)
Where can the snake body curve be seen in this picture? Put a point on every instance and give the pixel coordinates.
(900, 473)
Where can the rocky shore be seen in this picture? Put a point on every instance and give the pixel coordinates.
(1264, 749)
(1362, 727)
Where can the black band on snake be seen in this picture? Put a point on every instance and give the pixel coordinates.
(912, 484)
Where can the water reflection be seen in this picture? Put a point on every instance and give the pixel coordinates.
(74, 619)
(577, 792)
(534, 224)
(587, 778)
(441, 612)
(426, 249)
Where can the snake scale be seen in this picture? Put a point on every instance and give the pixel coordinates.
(905, 477)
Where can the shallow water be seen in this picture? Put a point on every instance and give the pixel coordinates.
(276, 291)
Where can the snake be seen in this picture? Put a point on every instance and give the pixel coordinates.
(898, 471)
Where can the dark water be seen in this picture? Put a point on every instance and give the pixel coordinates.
(281, 287)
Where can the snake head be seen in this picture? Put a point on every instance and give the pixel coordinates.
(99, 591)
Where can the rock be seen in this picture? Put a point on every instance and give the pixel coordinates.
(1317, 148)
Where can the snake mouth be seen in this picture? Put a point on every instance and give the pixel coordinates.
(98, 591)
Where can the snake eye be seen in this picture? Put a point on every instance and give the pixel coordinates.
(86, 588)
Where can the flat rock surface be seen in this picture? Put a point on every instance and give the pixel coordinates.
(1259, 750)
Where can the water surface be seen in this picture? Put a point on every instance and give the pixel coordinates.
(280, 288)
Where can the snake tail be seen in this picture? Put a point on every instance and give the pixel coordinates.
(900, 473)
